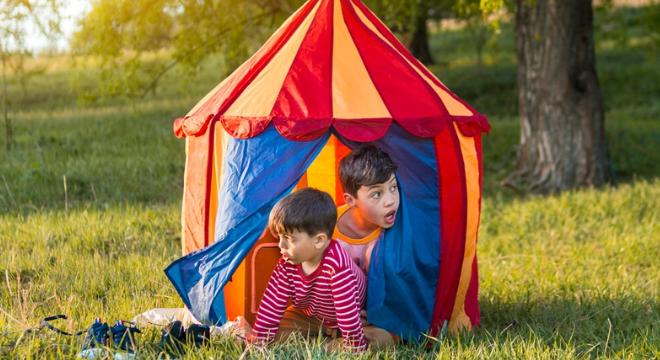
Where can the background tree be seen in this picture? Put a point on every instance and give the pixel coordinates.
(562, 137)
(4, 55)
(419, 39)
(16, 16)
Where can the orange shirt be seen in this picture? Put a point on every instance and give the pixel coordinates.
(358, 249)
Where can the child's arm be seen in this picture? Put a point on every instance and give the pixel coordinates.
(344, 293)
(272, 306)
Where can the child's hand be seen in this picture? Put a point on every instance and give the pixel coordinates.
(243, 330)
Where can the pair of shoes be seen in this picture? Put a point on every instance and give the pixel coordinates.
(175, 336)
(97, 339)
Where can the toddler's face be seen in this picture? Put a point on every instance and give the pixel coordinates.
(297, 247)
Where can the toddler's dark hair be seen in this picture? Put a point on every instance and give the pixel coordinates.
(309, 210)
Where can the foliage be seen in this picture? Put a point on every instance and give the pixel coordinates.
(139, 41)
(15, 16)
(480, 27)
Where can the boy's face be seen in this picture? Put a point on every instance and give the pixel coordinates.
(298, 246)
(377, 203)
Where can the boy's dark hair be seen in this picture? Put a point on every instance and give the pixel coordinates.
(310, 210)
(365, 166)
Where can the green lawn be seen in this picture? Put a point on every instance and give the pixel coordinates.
(563, 276)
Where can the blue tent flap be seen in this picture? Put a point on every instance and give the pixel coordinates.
(257, 172)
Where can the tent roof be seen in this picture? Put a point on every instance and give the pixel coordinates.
(332, 63)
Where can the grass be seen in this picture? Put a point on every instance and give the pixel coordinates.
(574, 275)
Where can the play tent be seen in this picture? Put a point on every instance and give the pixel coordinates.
(330, 78)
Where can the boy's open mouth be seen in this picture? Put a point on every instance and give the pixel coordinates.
(390, 217)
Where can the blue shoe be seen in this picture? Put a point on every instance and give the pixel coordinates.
(97, 335)
(123, 336)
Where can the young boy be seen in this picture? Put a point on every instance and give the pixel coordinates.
(372, 200)
(314, 272)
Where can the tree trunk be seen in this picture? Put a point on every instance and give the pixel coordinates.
(419, 42)
(5, 100)
(562, 137)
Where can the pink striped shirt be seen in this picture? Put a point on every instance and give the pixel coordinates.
(333, 293)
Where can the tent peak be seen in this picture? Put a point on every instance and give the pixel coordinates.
(332, 64)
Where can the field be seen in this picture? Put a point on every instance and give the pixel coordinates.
(574, 275)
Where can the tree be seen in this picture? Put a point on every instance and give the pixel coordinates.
(419, 40)
(15, 15)
(562, 137)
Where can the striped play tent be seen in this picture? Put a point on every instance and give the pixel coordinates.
(332, 76)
